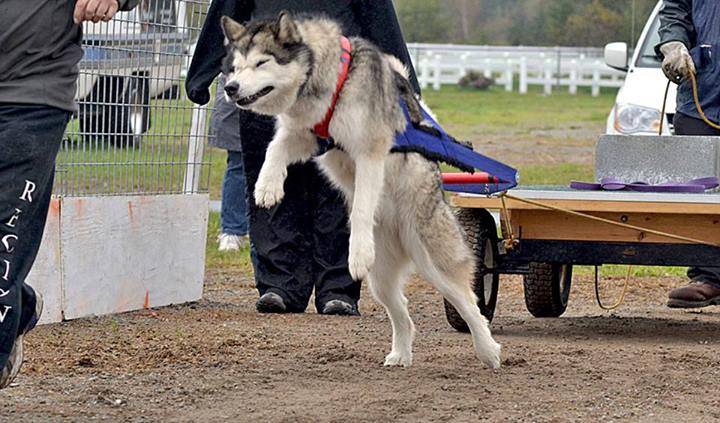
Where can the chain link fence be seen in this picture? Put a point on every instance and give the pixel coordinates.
(135, 131)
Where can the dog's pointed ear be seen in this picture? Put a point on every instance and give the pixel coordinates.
(287, 28)
(233, 30)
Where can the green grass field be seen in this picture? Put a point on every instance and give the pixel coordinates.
(464, 112)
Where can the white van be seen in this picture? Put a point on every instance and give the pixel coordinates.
(639, 102)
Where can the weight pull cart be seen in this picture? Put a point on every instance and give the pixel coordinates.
(547, 231)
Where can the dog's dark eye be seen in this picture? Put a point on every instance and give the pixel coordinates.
(260, 63)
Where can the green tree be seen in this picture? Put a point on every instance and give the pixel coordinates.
(424, 20)
(592, 24)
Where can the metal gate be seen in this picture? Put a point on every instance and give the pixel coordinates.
(128, 224)
(135, 131)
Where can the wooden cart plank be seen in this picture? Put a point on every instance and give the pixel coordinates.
(553, 225)
(610, 206)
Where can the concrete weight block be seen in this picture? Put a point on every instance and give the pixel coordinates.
(656, 159)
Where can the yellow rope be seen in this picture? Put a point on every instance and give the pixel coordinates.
(608, 221)
(664, 107)
(510, 242)
(710, 123)
(696, 98)
(622, 295)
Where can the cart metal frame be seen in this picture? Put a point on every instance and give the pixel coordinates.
(550, 242)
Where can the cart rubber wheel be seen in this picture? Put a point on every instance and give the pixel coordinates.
(547, 289)
(481, 236)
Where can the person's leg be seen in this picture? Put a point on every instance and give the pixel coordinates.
(30, 137)
(280, 245)
(331, 236)
(234, 205)
(233, 210)
(704, 289)
(225, 133)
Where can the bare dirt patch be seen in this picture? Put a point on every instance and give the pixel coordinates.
(218, 360)
(575, 145)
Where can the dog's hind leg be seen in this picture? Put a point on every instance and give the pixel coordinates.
(386, 281)
(445, 261)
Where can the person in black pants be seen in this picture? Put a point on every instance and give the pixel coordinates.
(39, 53)
(302, 242)
(690, 43)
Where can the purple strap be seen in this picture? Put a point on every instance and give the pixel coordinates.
(613, 184)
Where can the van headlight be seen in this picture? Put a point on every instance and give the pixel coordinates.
(632, 119)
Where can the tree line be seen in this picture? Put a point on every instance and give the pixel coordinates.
(524, 22)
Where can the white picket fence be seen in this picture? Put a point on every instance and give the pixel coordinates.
(515, 67)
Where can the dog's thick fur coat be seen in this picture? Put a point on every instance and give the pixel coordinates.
(289, 68)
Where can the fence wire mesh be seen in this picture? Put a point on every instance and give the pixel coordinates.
(135, 131)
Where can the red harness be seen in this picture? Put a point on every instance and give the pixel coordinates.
(322, 129)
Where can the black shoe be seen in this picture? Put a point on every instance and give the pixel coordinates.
(340, 308)
(270, 302)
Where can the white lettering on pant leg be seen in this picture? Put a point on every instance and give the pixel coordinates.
(3, 314)
(11, 223)
(6, 276)
(29, 189)
(3, 292)
(6, 242)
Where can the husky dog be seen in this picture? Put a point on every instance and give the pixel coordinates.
(289, 68)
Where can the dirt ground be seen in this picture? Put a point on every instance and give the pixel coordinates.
(218, 360)
(574, 145)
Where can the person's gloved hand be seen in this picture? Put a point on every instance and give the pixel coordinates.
(678, 64)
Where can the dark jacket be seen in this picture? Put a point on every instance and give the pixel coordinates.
(695, 23)
(40, 50)
(374, 20)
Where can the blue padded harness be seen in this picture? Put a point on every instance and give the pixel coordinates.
(441, 147)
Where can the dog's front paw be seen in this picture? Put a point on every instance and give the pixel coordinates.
(361, 259)
(398, 359)
(268, 192)
(491, 355)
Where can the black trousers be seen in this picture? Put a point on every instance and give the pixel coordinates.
(688, 125)
(30, 137)
(302, 242)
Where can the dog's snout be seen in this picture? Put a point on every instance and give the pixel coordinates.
(232, 88)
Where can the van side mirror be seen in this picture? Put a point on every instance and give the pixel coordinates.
(616, 56)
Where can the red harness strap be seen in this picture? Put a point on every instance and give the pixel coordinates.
(322, 129)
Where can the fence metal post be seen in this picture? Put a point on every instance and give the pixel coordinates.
(196, 146)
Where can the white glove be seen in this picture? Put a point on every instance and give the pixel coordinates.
(678, 64)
